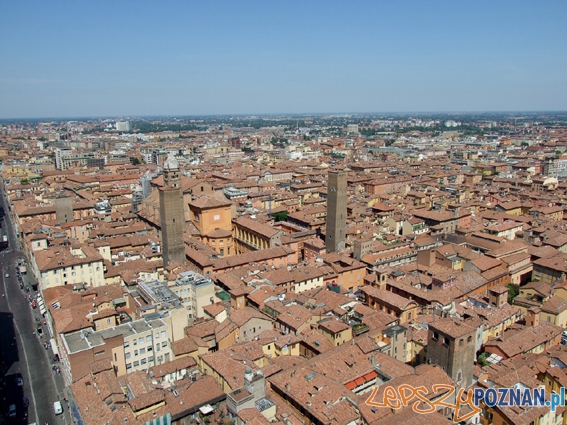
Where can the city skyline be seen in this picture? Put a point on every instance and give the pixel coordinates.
(232, 58)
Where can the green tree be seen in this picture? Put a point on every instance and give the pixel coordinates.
(135, 161)
(482, 359)
(280, 216)
(513, 292)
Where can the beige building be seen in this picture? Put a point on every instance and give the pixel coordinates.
(68, 266)
(195, 292)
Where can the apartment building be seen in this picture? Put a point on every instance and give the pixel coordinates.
(131, 347)
(68, 266)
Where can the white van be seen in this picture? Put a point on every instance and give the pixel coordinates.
(57, 408)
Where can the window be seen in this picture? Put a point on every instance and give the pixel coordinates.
(135, 342)
(142, 351)
(150, 348)
(469, 339)
(435, 335)
(216, 217)
(136, 363)
(128, 365)
(108, 320)
(127, 356)
(163, 334)
(461, 342)
(148, 338)
(158, 348)
(143, 361)
(126, 344)
(445, 340)
(141, 340)
(164, 344)
(459, 376)
(157, 335)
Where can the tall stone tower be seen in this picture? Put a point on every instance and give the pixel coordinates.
(172, 218)
(336, 211)
(451, 345)
(63, 209)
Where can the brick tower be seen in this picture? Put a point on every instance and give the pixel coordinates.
(172, 218)
(336, 211)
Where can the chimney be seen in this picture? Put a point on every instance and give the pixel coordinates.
(532, 317)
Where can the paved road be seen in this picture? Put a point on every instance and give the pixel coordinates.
(22, 349)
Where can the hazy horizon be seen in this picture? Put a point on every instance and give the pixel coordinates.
(142, 58)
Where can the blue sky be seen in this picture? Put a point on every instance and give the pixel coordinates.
(126, 58)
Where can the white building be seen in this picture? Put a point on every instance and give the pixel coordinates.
(60, 153)
(123, 126)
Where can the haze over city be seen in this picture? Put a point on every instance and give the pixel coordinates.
(66, 59)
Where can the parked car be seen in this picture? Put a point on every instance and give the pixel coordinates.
(25, 402)
(20, 381)
(12, 411)
(57, 408)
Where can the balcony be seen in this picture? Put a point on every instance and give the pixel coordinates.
(360, 329)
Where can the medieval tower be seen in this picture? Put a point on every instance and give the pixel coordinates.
(172, 218)
(336, 211)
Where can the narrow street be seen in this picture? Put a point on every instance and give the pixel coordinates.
(23, 353)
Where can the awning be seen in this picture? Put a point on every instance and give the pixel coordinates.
(54, 346)
(42, 310)
(350, 385)
(359, 381)
(162, 420)
(206, 409)
(370, 376)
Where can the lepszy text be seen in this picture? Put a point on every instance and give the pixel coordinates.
(442, 396)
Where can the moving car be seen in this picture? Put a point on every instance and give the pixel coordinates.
(12, 411)
(20, 381)
(7, 274)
